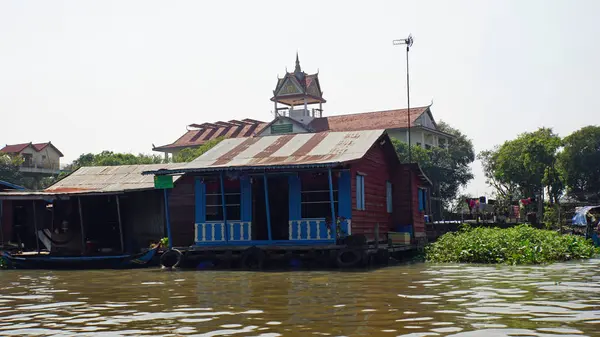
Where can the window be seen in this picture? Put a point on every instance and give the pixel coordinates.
(360, 192)
(418, 144)
(422, 199)
(428, 147)
(442, 143)
(214, 201)
(315, 198)
(388, 193)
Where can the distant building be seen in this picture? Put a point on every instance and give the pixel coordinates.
(295, 99)
(41, 159)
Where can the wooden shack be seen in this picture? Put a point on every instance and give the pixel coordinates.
(102, 209)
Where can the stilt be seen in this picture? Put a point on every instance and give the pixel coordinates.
(266, 184)
(37, 239)
(120, 224)
(167, 217)
(331, 202)
(81, 225)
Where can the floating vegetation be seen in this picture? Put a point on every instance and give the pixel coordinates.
(517, 245)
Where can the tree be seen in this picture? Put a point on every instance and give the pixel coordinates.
(448, 168)
(189, 154)
(525, 166)
(9, 169)
(109, 158)
(580, 163)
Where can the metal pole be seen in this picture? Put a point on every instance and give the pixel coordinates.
(120, 224)
(333, 219)
(37, 239)
(167, 217)
(81, 225)
(408, 104)
(266, 184)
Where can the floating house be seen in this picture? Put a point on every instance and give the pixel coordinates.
(104, 209)
(306, 189)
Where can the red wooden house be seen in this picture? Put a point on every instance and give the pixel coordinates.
(285, 189)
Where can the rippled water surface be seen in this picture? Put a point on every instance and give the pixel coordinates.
(413, 300)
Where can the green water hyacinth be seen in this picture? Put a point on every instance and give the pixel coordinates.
(517, 245)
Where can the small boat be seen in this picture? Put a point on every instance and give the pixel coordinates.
(49, 261)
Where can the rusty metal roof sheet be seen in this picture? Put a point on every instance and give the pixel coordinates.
(102, 179)
(323, 149)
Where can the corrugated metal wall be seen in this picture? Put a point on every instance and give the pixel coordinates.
(182, 211)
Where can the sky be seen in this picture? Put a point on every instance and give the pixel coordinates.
(123, 75)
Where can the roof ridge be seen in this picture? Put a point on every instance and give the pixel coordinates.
(370, 112)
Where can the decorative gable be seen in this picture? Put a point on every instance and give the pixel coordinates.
(290, 87)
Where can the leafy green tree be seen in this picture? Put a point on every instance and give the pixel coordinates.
(448, 168)
(109, 158)
(189, 154)
(9, 169)
(580, 163)
(525, 166)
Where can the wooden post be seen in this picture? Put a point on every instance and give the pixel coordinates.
(37, 239)
(266, 184)
(120, 223)
(167, 217)
(377, 235)
(331, 202)
(81, 225)
(224, 208)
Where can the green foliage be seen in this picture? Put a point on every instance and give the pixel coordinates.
(517, 245)
(551, 216)
(448, 168)
(525, 166)
(189, 154)
(9, 169)
(164, 242)
(580, 163)
(109, 158)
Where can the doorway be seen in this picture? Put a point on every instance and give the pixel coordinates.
(278, 206)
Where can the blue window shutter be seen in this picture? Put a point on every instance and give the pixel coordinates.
(389, 196)
(200, 198)
(421, 200)
(362, 185)
(295, 198)
(360, 192)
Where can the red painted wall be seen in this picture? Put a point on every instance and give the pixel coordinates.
(376, 167)
(402, 198)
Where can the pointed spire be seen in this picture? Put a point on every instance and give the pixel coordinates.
(298, 69)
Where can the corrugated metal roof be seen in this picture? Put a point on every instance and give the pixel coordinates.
(101, 179)
(283, 151)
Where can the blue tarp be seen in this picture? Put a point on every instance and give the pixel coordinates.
(579, 218)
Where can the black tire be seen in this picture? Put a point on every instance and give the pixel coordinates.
(171, 258)
(349, 258)
(253, 258)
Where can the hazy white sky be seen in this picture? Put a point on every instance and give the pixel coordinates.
(121, 75)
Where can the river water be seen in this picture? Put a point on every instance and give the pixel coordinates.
(410, 300)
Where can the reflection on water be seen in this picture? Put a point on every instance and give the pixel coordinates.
(412, 301)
